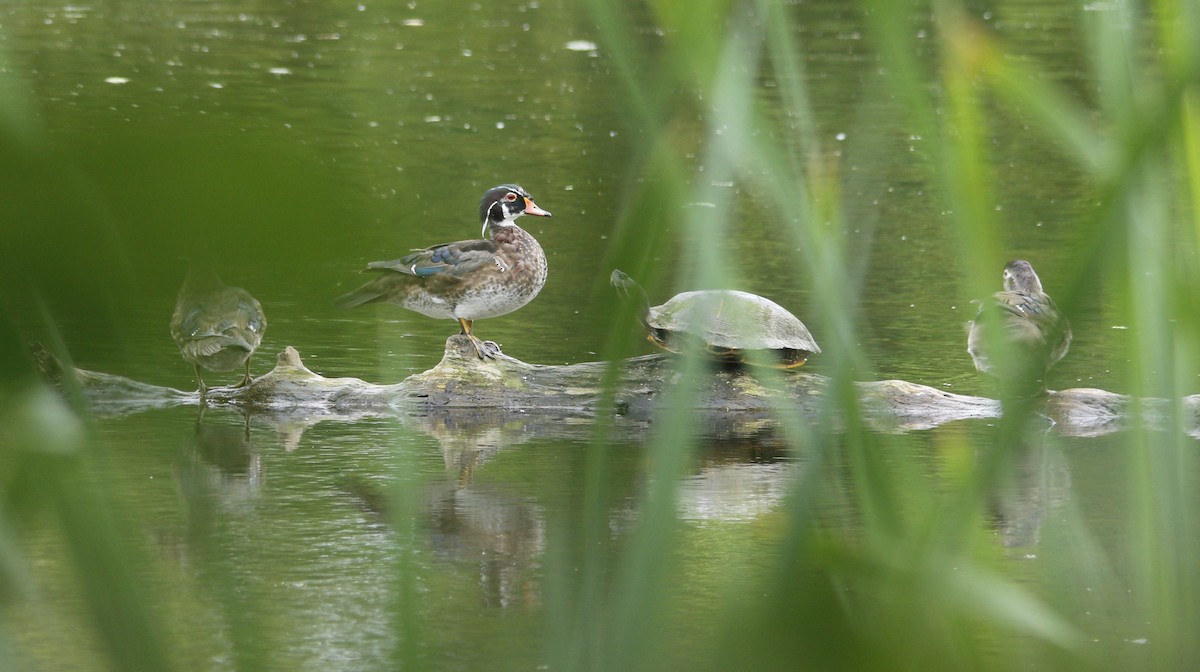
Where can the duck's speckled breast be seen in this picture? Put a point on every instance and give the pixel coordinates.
(519, 274)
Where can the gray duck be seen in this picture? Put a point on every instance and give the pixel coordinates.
(217, 327)
(1036, 335)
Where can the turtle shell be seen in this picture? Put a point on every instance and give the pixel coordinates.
(730, 322)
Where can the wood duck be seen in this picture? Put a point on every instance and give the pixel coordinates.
(470, 279)
(1035, 334)
(216, 327)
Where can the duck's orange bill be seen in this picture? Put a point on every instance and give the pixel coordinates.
(531, 208)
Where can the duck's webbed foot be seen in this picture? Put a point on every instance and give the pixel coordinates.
(485, 349)
(246, 379)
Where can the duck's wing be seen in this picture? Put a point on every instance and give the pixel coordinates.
(1029, 321)
(1032, 315)
(229, 317)
(242, 317)
(455, 259)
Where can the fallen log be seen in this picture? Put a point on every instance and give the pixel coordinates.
(564, 399)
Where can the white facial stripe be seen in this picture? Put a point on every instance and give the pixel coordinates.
(506, 220)
(486, 220)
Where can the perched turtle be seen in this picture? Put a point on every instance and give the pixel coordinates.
(1033, 335)
(726, 323)
(216, 327)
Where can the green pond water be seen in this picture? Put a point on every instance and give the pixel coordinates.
(289, 143)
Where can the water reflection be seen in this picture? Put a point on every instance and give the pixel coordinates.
(226, 447)
(467, 442)
(737, 488)
(1040, 481)
(492, 526)
(219, 471)
(219, 451)
(482, 525)
(489, 524)
(503, 532)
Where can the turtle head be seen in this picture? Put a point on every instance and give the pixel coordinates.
(628, 289)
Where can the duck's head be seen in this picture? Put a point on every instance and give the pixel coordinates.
(503, 204)
(1019, 276)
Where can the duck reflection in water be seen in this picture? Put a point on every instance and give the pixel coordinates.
(500, 533)
(217, 327)
(1038, 483)
(219, 469)
(226, 446)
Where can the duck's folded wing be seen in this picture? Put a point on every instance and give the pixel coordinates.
(1032, 317)
(455, 259)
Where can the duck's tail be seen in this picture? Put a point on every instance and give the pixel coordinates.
(368, 293)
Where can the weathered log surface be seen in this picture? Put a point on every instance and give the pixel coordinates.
(567, 397)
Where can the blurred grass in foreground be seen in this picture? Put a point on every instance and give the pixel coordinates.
(915, 587)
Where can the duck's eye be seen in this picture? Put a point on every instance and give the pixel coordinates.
(510, 197)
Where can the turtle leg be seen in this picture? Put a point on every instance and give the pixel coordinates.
(791, 359)
(485, 349)
(727, 356)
